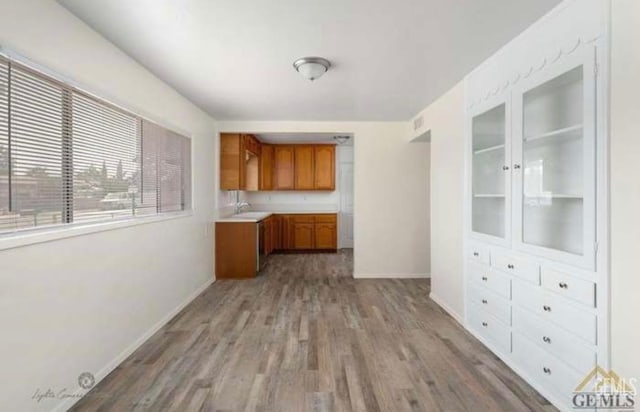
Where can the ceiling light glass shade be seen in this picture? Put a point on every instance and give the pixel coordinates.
(312, 67)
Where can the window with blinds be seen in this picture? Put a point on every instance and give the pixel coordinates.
(4, 142)
(69, 158)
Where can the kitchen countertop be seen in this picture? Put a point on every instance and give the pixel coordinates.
(259, 216)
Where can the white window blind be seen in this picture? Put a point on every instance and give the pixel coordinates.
(166, 167)
(105, 160)
(38, 119)
(4, 144)
(70, 158)
(149, 198)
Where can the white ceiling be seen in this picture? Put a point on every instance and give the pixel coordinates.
(289, 138)
(234, 58)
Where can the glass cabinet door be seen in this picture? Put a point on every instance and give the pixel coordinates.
(490, 184)
(556, 163)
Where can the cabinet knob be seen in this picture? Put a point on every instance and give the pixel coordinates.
(485, 324)
(563, 285)
(484, 278)
(516, 166)
(546, 308)
(476, 254)
(505, 168)
(510, 266)
(546, 370)
(546, 339)
(484, 301)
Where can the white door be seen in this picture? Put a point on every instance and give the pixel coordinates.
(346, 205)
(554, 161)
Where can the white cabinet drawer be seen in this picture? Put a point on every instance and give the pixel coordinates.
(553, 308)
(570, 287)
(554, 340)
(523, 268)
(499, 283)
(479, 254)
(489, 328)
(491, 302)
(545, 369)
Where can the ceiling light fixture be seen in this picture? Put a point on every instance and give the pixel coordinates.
(340, 140)
(311, 67)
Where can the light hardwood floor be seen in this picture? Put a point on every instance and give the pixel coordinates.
(306, 336)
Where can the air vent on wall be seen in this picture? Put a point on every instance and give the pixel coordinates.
(417, 123)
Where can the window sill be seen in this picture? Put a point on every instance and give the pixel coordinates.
(20, 239)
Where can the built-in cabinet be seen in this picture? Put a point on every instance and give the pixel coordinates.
(309, 232)
(324, 167)
(239, 162)
(304, 171)
(532, 277)
(283, 168)
(267, 158)
(248, 164)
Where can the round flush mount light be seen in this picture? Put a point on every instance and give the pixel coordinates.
(311, 68)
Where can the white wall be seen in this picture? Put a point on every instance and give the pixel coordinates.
(390, 210)
(445, 119)
(625, 188)
(75, 305)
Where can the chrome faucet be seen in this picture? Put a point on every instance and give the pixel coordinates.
(239, 205)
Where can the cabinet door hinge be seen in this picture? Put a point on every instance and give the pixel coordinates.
(596, 68)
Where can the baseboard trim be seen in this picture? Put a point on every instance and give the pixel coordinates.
(391, 275)
(107, 369)
(447, 308)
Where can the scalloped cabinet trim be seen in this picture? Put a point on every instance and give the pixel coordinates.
(571, 26)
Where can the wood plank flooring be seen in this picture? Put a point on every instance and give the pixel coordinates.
(306, 336)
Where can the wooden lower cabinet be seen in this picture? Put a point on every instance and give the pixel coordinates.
(303, 236)
(268, 235)
(305, 232)
(325, 236)
(235, 250)
(276, 233)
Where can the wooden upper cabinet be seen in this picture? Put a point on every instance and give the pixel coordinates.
(266, 167)
(231, 176)
(251, 144)
(283, 168)
(304, 172)
(247, 164)
(325, 167)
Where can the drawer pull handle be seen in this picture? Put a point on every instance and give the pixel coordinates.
(476, 254)
(484, 301)
(546, 308)
(484, 278)
(510, 266)
(546, 339)
(485, 324)
(546, 370)
(563, 285)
